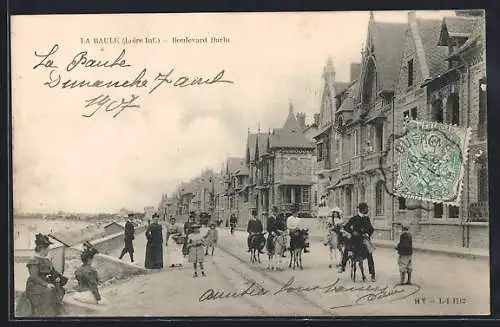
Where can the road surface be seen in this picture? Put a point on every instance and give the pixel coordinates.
(443, 285)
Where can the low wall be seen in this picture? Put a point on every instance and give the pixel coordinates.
(111, 242)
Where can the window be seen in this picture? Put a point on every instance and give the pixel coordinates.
(481, 128)
(297, 195)
(438, 210)
(338, 151)
(453, 212)
(315, 198)
(413, 113)
(402, 203)
(319, 149)
(483, 183)
(305, 195)
(362, 192)
(379, 133)
(379, 199)
(437, 111)
(410, 72)
(288, 195)
(356, 142)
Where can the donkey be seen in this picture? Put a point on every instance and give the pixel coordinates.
(257, 243)
(276, 247)
(298, 242)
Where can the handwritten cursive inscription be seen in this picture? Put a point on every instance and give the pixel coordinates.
(84, 61)
(105, 102)
(369, 293)
(184, 81)
(253, 290)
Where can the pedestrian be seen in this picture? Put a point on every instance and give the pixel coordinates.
(88, 278)
(211, 238)
(174, 244)
(405, 252)
(129, 238)
(232, 222)
(188, 224)
(254, 227)
(154, 246)
(195, 245)
(361, 229)
(44, 292)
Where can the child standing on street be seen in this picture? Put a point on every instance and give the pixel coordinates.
(196, 245)
(405, 252)
(211, 238)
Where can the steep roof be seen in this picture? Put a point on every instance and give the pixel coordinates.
(455, 27)
(388, 42)
(233, 164)
(435, 55)
(478, 31)
(340, 87)
(291, 123)
(283, 138)
(253, 139)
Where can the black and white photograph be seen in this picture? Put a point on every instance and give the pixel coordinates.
(270, 164)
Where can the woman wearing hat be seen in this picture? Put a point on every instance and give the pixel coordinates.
(174, 244)
(44, 288)
(88, 279)
(196, 249)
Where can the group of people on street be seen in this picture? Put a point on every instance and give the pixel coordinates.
(180, 242)
(354, 238)
(276, 225)
(44, 293)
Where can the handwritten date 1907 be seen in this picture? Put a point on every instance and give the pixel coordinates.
(105, 102)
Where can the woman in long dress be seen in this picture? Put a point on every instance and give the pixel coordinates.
(333, 238)
(154, 246)
(44, 292)
(88, 279)
(174, 244)
(196, 246)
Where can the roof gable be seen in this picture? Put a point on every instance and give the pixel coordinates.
(291, 124)
(434, 55)
(387, 58)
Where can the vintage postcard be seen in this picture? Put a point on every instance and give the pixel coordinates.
(250, 164)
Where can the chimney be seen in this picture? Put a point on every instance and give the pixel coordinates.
(355, 71)
(316, 120)
(301, 118)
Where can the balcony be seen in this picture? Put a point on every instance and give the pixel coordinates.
(478, 212)
(372, 160)
(302, 207)
(346, 168)
(357, 164)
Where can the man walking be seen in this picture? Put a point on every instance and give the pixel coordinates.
(361, 229)
(129, 237)
(254, 227)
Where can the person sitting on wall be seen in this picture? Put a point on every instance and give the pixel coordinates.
(254, 227)
(88, 278)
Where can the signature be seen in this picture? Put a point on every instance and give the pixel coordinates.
(369, 293)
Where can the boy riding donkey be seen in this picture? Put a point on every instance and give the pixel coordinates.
(276, 241)
(293, 224)
(254, 229)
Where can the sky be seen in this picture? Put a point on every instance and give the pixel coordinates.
(63, 161)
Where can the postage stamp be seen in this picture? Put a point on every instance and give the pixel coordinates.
(430, 162)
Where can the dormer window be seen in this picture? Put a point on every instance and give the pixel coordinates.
(410, 72)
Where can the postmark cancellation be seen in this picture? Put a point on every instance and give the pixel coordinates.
(430, 162)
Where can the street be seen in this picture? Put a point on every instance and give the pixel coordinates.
(444, 285)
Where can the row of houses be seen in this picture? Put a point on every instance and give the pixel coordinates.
(423, 69)
(433, 70)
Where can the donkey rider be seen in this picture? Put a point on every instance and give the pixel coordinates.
(254, 228)
(293, 223)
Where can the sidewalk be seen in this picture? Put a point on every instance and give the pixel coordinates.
(469, 253)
